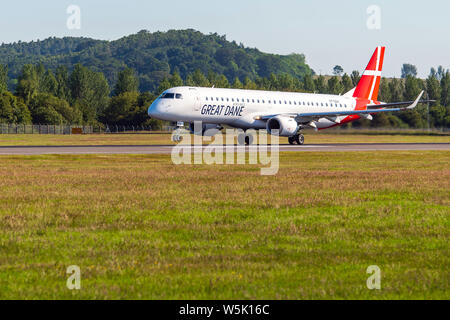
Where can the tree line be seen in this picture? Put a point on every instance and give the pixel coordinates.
(154, 56)
(84, 96)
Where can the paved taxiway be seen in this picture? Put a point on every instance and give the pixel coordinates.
(166, 149)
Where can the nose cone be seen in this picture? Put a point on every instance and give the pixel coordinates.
(153, 110)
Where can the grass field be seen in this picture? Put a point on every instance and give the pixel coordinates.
(164, 139)
(141, 227)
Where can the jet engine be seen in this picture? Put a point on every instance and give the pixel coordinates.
(287, 127)
(208, 129)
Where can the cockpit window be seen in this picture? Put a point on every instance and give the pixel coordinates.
(168, 96)
(179, 96)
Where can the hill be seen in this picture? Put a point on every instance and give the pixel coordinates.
(154, 56)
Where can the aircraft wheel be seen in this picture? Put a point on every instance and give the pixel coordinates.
(241, 139)
(300, 139)
(244, 139)
(177, 138)
(291, 140)
(248, 140)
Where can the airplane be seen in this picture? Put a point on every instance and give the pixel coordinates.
(282, 113)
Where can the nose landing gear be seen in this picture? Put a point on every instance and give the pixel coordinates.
(297, 139)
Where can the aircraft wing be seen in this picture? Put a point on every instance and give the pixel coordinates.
(370, 110)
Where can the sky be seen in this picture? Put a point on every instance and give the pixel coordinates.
(327, 32)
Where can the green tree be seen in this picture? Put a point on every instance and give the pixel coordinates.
(249, 84)
(338, 70)
(222, 82)
(89, 92)
(445, 89)
(320, 84)
(395, 90)
(237, 84)
(286, 82)
(13, 110)
(28, 83)
(62, 79)
(198, 79)
(48, 83)
(48, 109)
(218, 81)
(409, 70)
(127, 81)
(412, 88)
(355, 77)
(308, 83)
(3, 78)
(347, 82)
(438, 114)
(433, 87)
(122, 109)
(335, 86)
(273, 82)
(164, 85)
(384, 91)
(141, 117)
(175, 80)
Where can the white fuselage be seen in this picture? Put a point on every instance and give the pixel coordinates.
(243, 108)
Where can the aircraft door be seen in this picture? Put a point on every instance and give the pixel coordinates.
(197, 102)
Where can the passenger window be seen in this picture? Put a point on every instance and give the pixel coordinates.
(178, 96)
(206, 98)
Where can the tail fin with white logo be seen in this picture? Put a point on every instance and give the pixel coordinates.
(369, 83)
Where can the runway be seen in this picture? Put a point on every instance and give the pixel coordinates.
(167, 149)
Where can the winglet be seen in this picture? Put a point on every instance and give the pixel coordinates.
(416, 102)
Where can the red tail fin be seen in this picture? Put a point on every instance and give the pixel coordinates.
(370, 80)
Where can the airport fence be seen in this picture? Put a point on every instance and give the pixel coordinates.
(76, 129)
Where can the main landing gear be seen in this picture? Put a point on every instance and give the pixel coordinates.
(297, 139)
(244, 139)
